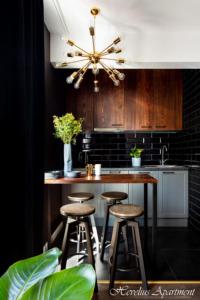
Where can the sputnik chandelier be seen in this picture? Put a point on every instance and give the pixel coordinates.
(94, 59)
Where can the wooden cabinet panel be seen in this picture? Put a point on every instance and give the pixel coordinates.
(167, 100)
(109, 104)
(144, 100)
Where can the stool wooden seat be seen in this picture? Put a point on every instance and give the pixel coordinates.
(77, 210)
(112, 198)
(80, 197)
(77, 214)
(125, 217)
(126, 211)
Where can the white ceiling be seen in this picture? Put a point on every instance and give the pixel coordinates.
(155, 33)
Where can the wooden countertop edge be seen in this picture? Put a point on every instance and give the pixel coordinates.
(107, 178)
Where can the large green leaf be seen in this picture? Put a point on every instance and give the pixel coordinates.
(76, 283)
(25, 273)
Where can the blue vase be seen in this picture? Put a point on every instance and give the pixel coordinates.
(67, 159)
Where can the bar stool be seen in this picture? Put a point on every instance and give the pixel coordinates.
(82, 197)
(112, 198)
(77, 214)
(126, 214)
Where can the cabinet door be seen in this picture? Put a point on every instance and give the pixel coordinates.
(173, 194)
(136, 191)
(144, 100)
(109, 105)
(167, 100)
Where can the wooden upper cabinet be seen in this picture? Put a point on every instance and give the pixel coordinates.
(158, 100)
(108, 104)
(147, 100)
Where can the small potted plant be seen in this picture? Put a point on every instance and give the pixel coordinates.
(135, 153)
(67, 128)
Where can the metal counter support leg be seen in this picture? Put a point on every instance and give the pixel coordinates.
(154, 219)
(145, 215)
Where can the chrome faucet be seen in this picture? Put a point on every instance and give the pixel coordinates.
(163, 149)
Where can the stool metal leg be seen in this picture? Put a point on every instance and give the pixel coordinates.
(65, 243)
(124, 232)
(89, 246)
(105, 229)
(94, 229)
(135, 250)
(140, 255)
(113, 252)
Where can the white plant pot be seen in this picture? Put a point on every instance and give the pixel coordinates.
(136, 162)
(67, 159)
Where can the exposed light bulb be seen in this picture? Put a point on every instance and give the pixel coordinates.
(78, 82)
(96, 89)
(70, 78)
(116, 82)
(95, 69)
(121, 76)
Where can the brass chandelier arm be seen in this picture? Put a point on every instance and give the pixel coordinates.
(120, 60)
(106, 68)
(81, 49)
(85, 67)
(100, 53)
(75, 61)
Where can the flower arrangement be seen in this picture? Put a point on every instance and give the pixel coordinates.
(67, 128)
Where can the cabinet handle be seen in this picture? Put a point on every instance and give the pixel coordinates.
(117, 124)
(146, 126)
(169, 172)
(161, 126)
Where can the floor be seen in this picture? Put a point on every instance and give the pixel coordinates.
(177, 273)
(178, 257)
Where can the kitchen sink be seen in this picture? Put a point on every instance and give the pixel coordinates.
(160, 166)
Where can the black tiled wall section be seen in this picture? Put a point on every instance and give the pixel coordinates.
(112, 149)
(188, 142)
(186, 146)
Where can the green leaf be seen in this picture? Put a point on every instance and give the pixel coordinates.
(25, 273)
(76, 283)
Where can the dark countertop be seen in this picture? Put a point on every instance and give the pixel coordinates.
(143, 168)
(108, 178)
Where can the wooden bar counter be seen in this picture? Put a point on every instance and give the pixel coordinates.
(144, 179)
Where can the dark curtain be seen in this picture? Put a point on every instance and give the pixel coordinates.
(22, 129)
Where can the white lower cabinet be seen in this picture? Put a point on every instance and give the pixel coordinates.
(173, 194)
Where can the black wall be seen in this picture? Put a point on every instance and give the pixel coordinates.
(190, 141)
(54, 105)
